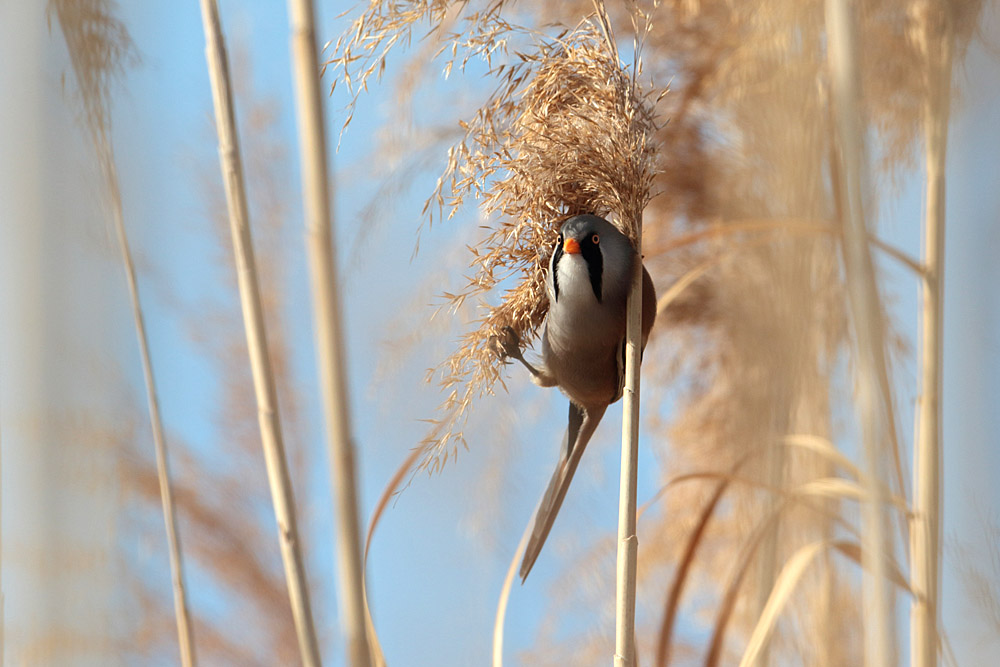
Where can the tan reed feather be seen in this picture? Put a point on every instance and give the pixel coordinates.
(566, 132)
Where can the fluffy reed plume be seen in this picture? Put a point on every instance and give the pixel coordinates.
(100, 47)
(566, 131)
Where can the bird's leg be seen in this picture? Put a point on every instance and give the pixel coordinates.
(510, 345)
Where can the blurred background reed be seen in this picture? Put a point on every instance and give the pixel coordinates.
(785, 448)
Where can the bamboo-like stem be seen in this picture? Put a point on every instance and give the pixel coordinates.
(253, 319)
(628, 542)
(866, 313)
(329, 338)
(75, 36)
(925, 533)
(181, 611)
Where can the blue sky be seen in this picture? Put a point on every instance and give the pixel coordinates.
(441, 553)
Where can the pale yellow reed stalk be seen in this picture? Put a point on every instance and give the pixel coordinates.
(181, 611)
(628, 542)
(866, 312)
(327, 315)
(90, 30)
(253, 318)
(925, 533)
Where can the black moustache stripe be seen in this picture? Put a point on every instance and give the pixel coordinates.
(556, 256)
(595, 265)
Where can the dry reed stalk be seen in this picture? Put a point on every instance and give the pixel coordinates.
(873, 405)
(501, 614)
(628, 542)
(402, 472)
(328, 317)
(829, 488)
(98, 45)
(253, 317)
(183, 616)
(925, 533)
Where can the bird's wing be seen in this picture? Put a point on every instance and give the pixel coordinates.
(582, 424)
(648, 317)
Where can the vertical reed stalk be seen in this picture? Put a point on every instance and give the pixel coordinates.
(184, 628)
(82, 40)
(327, 315)
(866, 314)
(253, 318)
(925, 535)
(628, 543)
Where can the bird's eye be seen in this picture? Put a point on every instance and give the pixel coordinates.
(595, 239)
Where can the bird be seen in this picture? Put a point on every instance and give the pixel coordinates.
(583, 344)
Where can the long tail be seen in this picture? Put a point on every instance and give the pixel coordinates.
(581, 427)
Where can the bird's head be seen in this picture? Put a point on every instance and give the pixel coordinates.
(593, 243)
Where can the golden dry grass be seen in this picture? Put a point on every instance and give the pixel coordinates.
(567, 130)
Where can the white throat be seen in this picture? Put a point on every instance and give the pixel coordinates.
(575, 288)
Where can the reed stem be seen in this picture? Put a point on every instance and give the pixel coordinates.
(628, 542)
(253, 318)
(331, 357)
(79, 38)
(925, 535)
(873, 404)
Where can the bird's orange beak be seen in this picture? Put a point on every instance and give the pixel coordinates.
(571, 247)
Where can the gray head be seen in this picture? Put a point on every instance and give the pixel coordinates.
(607, 252)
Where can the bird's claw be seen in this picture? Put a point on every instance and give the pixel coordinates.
(507, 346)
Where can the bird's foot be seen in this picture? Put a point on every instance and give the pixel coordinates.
(507, 345)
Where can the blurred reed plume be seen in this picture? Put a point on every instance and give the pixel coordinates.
(100, 48)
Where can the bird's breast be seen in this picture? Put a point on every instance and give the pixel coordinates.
(580, 349)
